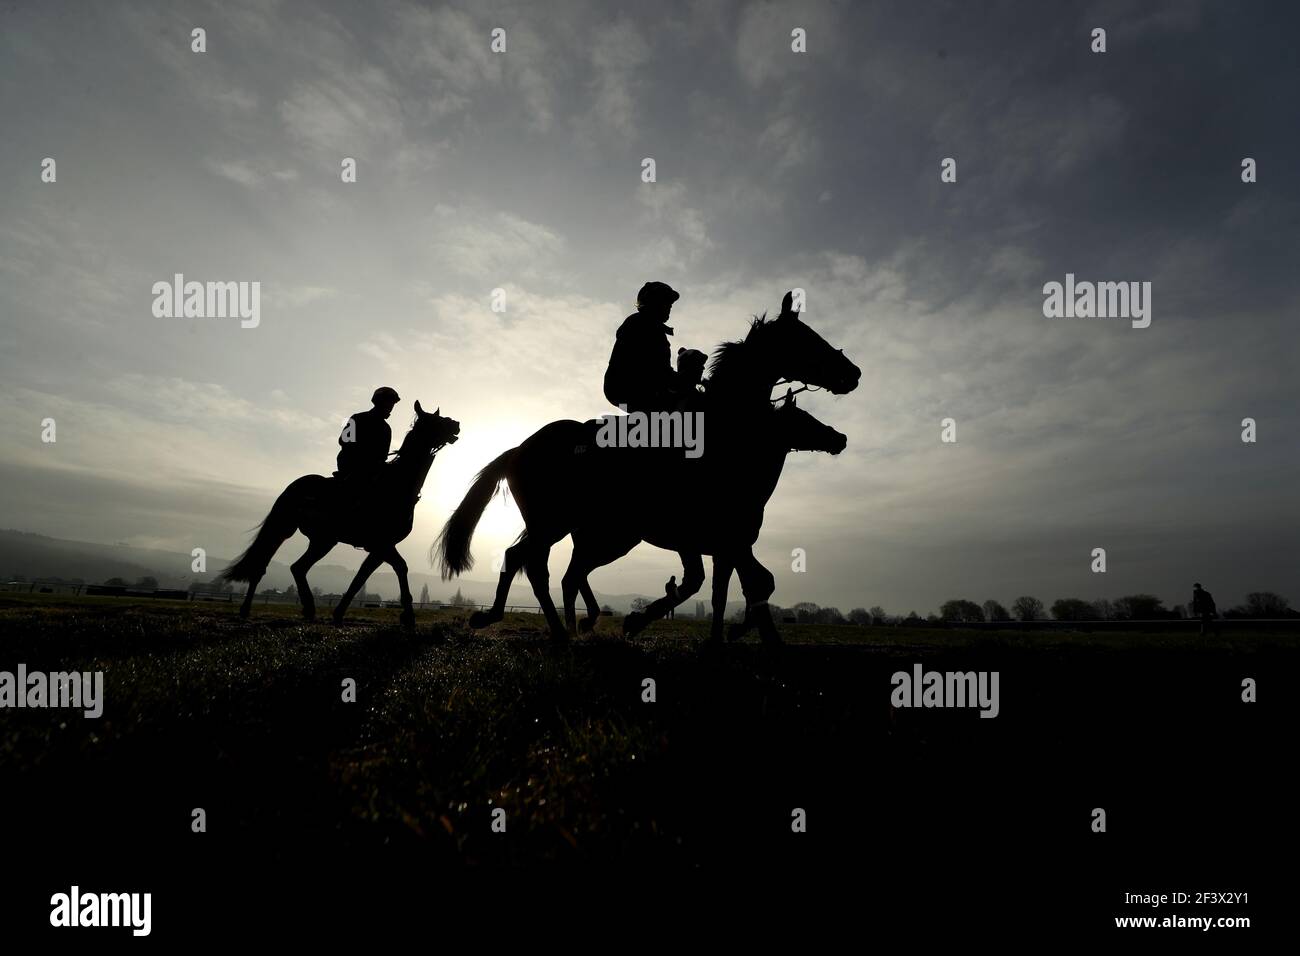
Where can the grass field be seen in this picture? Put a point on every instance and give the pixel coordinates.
(247, 721)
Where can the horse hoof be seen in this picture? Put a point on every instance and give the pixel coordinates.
(735, 633)
(338, 619)
(480, 619)
(407, 620)
(633, 624)
(586, 625)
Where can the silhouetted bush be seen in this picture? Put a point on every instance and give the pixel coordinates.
(1073, 609)
(960, 611)
(994, 611)
(1141, 607)
(1027, 608)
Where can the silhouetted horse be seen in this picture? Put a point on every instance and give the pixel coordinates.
(712, 505)
(331, 510)
(791, 429)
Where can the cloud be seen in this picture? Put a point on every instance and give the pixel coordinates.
(354, 115)
(296, 296)
(618, 52)
(763, 41)
(188, 402)
(789, 141)
(236, 100)
(236, 172)
(667, 206)
(383, 348)
(496, 246)
(446, 50)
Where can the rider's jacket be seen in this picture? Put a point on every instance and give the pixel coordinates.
(640, 373)
(368, 450)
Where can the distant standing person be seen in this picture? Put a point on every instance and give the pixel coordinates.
(1203, 607)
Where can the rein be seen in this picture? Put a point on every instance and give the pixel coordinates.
(793, 391)
(432, 451)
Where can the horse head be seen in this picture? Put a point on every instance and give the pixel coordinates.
(429, 432)
(797, 430)
(781, 348)
(804, 356)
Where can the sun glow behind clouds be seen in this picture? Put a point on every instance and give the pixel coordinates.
(453, 472)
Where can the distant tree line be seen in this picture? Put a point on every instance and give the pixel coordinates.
(1263, 604)
(460, 600)
(147, 582)
(44, 579)
(1131, 607)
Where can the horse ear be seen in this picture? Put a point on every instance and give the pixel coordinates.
(790, 399)
(418, 409)
(436, 411)
(787, 305)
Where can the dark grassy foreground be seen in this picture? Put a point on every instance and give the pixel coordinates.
(932, 808)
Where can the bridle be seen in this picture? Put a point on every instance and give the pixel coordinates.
(432, 451)
(793, 391)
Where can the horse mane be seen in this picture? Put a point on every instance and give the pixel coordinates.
(729, 355)
(405, 441)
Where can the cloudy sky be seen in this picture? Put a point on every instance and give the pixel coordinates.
(775, 169)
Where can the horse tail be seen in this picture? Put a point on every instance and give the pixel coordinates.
(451, 549)
(274, 530)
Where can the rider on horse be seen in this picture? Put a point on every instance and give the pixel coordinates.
(363, 446)
(690, 371)
(640, 376)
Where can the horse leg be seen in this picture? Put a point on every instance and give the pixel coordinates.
(588, 554)
(588, 623)
(246, 607)
(748, 619)
(692, 579)
(513, 561)
(758, 584)
(275, 530)
(722, 570)
(372, 561)
(316, 549)
(398, 564)
(539, 575)
(746, 624)
(572, 582)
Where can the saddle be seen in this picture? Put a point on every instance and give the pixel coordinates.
(367, 505)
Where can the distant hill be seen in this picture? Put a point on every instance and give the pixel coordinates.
(36, 555)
